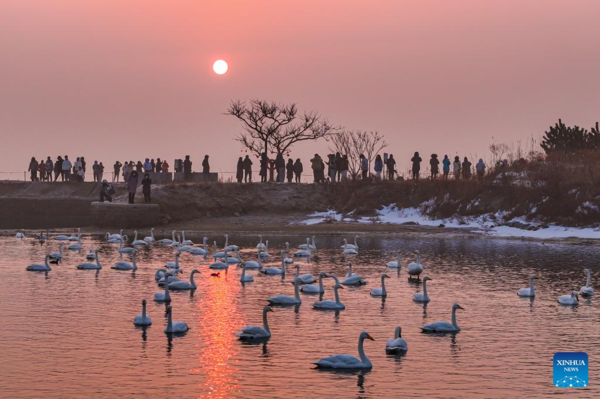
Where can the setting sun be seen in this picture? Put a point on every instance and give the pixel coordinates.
(220, 67)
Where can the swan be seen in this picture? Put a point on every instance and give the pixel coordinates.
(264, 253)
(20, 234)
(444, 326)
(200, 251)
(353, 279)
(218, 255)
(255, 332)
(308, 245)
(303, 253)
(126, 250)
(245, 278)
(76, 247)
(230, 247)
(351, 246)
(166, 277)
(234, 260)
(160, 273)
(260, 244)
(88, 265)
(397, 344)
(528, 292)
(305, 278)
(174, 326)
(285, 300)
(166, 241)
(137, 242)
(331, 305)
(314, 289)
(219, 265)
(587, 290)
(61, 237)
(395, 264)
(253, 265)
(57, 256)
(569, 300)
(422, 296)
(91, 255)
(142, 319)
(177, 243)
(163, 296)
(115, 238)
(40, 268)
(380, 291)
(150, 239)
(126, 265)
(186, 242)
(348, 361)
(415, 268)
(273, 271)
(287, 251)
(184, 285)
(76, 237)
(348, 250)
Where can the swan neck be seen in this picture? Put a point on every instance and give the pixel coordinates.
(243, 272)
(361, 351)
(170, 323)
(296, 290)
(192, 282)
(425, 288)
(397, 333)
(337, 295)
(321, 282)
(265, 321)
(144, 311)
(134, 262)
(531, 284)
(454, 318)
(589, 280)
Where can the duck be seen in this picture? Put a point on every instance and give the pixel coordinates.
(328, 304)
(314, 288)
(286, 300)
(348, 361)
(305, 278)
(174, 327)
(150, 239)
(380, 291)
(184, 285)
(415, 268)
(304, 253)
(351, 246)
(569, 300)
(184, 241)
(126, 265)
(20, 234)
(163, 296)
(287, 251)
(40, 268)
(245, 278)
(137, 242)
(273, 271)
(347, 250)
(166, 241)
(260, 244)
(422, 296)
(396, 344)
(142, 319)
(91, 266)
(253, 265)
(200, 251)
(353, 279)
(528, 292)
(308, 245)
(587, 290)
(126, 250)
(56, 257)
(250, 333)
(230, 247)
(77, 246)
(444, 326)
(217, 274)
(395, 264)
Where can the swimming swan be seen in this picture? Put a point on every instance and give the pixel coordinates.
(285, 300)
(348, 250)
(150, 239)
(530, 291)
(305, 278)
(444, 326)
(415, 268)
(126, 265)
(328, 304)
(314, 289)
(395, 264)
(254, 332)
(396, 344)
(351, 246)
(142, 319)
(273, 271)
(91, 266)
(569, 300)
(587, 290)
(184, 285)
(126, 250)
(348, 361)
(137, 242)
(245, 278)
(174, 326)
(308, 245)
(40, 268)
(422, 296)
(353, 279)
(380, 291)
(163, 296)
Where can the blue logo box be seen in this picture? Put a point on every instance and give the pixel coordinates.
(570, 369)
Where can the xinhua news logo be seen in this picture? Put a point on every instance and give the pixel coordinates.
(571, 370)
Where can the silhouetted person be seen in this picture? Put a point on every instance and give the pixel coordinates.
(316, 163)
(116, 171)
(95, 171)
(272, 168)
(132, 183)
(239, 173)
(343, 167)
(42, 170)
(148, 168)
(289, 168)
(147, 188)
(165, 167)
(264, 164)
(416, 165)
(391, 167)
(480, 167)
(205, 167)
(378, 166)
(158, 167)
(247, 169)
(58, 169)
(100, 171)
(139, 167)
(152, 165)
(49, 169)
(466, 169)
(106, 191)
(446, 166)
(187, 168)
(434, 165)
(456, 168)
(332, 167)
(364, 166)
(66, 168)
(338, 165)
(280, 165)
(298, 169)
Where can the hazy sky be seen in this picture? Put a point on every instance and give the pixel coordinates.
(132, 79)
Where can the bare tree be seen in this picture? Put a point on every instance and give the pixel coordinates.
(270, 124)
(353, 143)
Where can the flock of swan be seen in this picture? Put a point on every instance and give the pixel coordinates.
(167, 278)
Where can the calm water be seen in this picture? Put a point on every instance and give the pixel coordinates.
(70, 333)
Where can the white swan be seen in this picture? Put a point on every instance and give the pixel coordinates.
(380, 291)
(230, 247)
(76, 237)
(91, 255)
(150, 239)
(275, 271)
(115, 238)
(422, 296)
(245, 278)
(264, 253)
(305, 278)
(444, 326)
(256, 333)
(200, 251)
(186, 242)
(126, 250)
(397, 344)
(218, 255)
(57, 256)
(126, 265)
(348, 361)
(415, 268)
(286, 300)
(287, 251)
(260, 244)
(569, 300)
(314, 288)
(163, 296)
(76, 247)
(174, 326)
(353, 279)
(395, 264)
(348, 250)
(177, 243)
(174, 265)
(220, 265)
(166, 277)
(308, 245)
(137, 242)
(587, 290)
(166, 241)
(142, 319)
(328, 304)
(40, 268)
(184, 285)
(253, 265)
(530, 291)
(91, 266)
(61, 237)
(20, 234)
(351, 246)
(234, 260)
(304, 253)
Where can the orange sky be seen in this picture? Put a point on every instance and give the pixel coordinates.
(132, 79)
